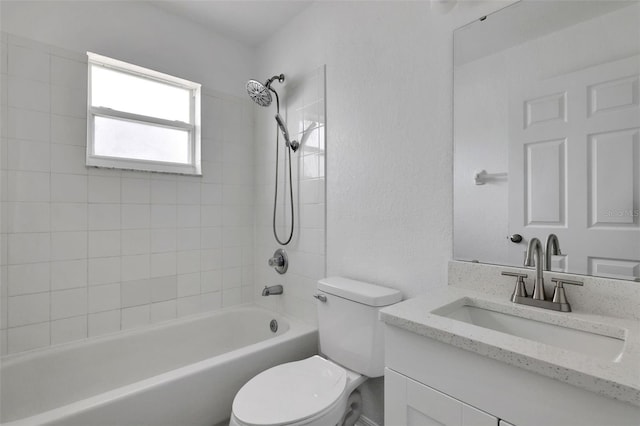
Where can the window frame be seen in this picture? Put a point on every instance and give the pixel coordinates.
(194, 167)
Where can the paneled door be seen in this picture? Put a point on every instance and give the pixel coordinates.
(574, 168)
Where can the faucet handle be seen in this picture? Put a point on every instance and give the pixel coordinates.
(560, 281)
(513, 274)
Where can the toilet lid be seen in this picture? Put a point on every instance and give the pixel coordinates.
(290, 392)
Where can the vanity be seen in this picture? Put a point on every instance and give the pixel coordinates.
(466, 355)
(546, 148)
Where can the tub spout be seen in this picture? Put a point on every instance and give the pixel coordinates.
(274, 289)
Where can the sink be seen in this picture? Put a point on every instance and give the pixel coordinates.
(597, 345)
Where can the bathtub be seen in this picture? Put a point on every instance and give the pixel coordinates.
(181, 373)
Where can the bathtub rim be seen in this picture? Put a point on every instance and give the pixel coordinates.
(297, 328)
(12, 358)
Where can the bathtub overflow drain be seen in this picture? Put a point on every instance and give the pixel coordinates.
(273, 325)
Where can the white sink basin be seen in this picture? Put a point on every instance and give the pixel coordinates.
(593, 344)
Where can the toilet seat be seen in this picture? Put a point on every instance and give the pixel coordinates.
(290, 393)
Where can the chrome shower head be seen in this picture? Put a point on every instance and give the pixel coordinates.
(260, 92)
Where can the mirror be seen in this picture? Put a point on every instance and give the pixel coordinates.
(547, 135)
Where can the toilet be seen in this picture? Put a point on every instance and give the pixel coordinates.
(322, 391)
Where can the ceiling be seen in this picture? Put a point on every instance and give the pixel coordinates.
(247, 21)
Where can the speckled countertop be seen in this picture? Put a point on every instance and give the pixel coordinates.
(618, 379)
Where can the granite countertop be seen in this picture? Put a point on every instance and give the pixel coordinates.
(619, 379)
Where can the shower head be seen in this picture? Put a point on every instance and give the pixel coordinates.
(260, 92)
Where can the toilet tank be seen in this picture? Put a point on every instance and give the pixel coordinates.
(348, 325)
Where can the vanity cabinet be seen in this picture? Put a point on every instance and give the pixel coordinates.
(414, 404)
(430, 382)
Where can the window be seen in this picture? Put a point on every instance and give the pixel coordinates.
(141, 119)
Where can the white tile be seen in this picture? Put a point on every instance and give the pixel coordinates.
(104, 297)
(68, 217)
(136, 216)
(163, 240)
(163, 288)
(68, 329)
(68, 303)
(28, 156)
(28, 62)
(188, 192)
(211, 216)
(104, 189)
(164, 191)
(163, 264)
(135, 267)
(68, 159)
(188, 216)
(135, 317)
(211, 301)
(188, 284)
(188, 239)
(104, 243)
(68, 245)
(135, 241)
(163, 311)
(67, 72)
(164, 216)
(211, 238)
(135, 293)
(4, 342)
(211, 259)
(28, 309)
(27, 94)
(28, 217)
(232, 256)
(68, 274)
(104, 323)
(69, 101)
(247, 294)
(68, 188)
(188, 305)
(104, 217)
(231, 278)
(211, 193)
(312, 216)
(211, 281)
(69, 130)
(136, 191)
(28, 186)
(26, 279)
(29, 248)
(28, 337)
(104, 270)
(28, 124)
(231, 297)
(188, 261)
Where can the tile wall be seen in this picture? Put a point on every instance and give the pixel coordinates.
(304, 103)
(89, 251)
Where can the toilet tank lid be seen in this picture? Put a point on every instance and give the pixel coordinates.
(358, 291)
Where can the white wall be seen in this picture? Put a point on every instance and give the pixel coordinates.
(389, 150)
(137, 32)
(90, 251)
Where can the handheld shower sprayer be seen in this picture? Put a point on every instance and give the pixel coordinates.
(294, 145)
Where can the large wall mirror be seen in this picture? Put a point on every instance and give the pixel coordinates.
(547, 135)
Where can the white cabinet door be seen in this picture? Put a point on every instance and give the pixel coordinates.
(409, 403)
(575, 129)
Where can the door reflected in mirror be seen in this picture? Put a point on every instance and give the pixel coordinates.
(547, 135)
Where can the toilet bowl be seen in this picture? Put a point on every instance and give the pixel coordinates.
(321, 391)
(311, 392)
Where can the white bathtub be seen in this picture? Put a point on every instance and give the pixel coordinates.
(180, 373)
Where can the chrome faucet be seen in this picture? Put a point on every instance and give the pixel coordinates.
(274, 289)
(552, 248)
(534, 257)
